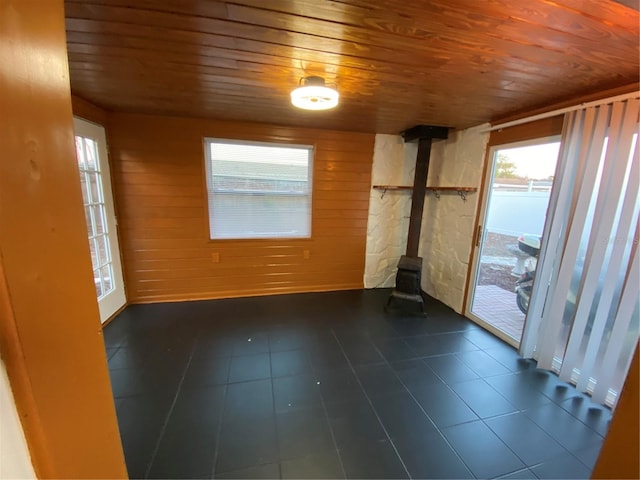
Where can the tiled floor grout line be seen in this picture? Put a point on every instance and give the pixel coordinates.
(386, 362)
(166, 420)
(446, 384)
(513, 451)
(375, 412)
(455, 393)
(219, 432)
(483, 420)
(515, 471)
(567, 451)
(518, 410)
(333, 436)
(275, 414)
(116, 350)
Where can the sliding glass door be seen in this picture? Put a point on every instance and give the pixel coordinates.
(519, 183)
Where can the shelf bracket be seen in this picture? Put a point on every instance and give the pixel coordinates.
(463, 192)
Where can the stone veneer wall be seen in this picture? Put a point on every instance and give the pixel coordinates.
(448, 223)
(394, 163)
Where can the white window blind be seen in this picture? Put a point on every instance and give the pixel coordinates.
(258, 190)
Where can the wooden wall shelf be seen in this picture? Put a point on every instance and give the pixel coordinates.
(393, 187)
(461, 191)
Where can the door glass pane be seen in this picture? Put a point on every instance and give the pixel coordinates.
(106, 278)
(80, 153)
(92, 154)
(93, 245)
(103, 250)
(98, 217)
(84, 182)
(88, 219)
(94, 183)
(521, 183)
(98, 282)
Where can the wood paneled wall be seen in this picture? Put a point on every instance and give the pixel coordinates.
(547, 127)
(88, 111)
(158, 165)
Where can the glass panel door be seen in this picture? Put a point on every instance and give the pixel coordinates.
(512, 219)
(100, 216)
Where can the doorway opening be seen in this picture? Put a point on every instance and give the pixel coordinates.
(99, 211)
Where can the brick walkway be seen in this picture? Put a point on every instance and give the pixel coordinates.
(497, 307)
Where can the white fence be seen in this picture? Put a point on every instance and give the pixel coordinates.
(515, 213)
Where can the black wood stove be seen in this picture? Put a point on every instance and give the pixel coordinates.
(407, 294)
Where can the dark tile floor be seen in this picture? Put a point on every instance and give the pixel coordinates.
(327, 385)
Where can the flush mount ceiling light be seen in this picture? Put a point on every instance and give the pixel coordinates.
(313, 94)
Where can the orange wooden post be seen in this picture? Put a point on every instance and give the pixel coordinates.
(50, 333)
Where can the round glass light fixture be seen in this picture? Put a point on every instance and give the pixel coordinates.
(313, 94)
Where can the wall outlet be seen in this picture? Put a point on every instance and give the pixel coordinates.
(215, 257)
(306, 254)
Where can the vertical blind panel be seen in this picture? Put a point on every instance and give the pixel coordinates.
(610, 295)
(590, 136)
(616, 359)
(545, 270)
(602, 198)
(583, 320)
(599, 262)
(258, 190)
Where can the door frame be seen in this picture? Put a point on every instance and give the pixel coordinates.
(480, 231)
(117, 300)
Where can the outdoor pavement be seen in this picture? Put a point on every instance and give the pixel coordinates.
(497, 307)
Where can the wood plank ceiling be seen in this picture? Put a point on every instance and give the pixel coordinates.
(396, 63)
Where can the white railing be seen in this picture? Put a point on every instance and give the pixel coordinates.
(530, 187)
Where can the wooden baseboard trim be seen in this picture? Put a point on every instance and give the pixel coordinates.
(110, 319)
(247, 294)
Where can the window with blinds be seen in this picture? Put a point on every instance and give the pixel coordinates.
(258, 190)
